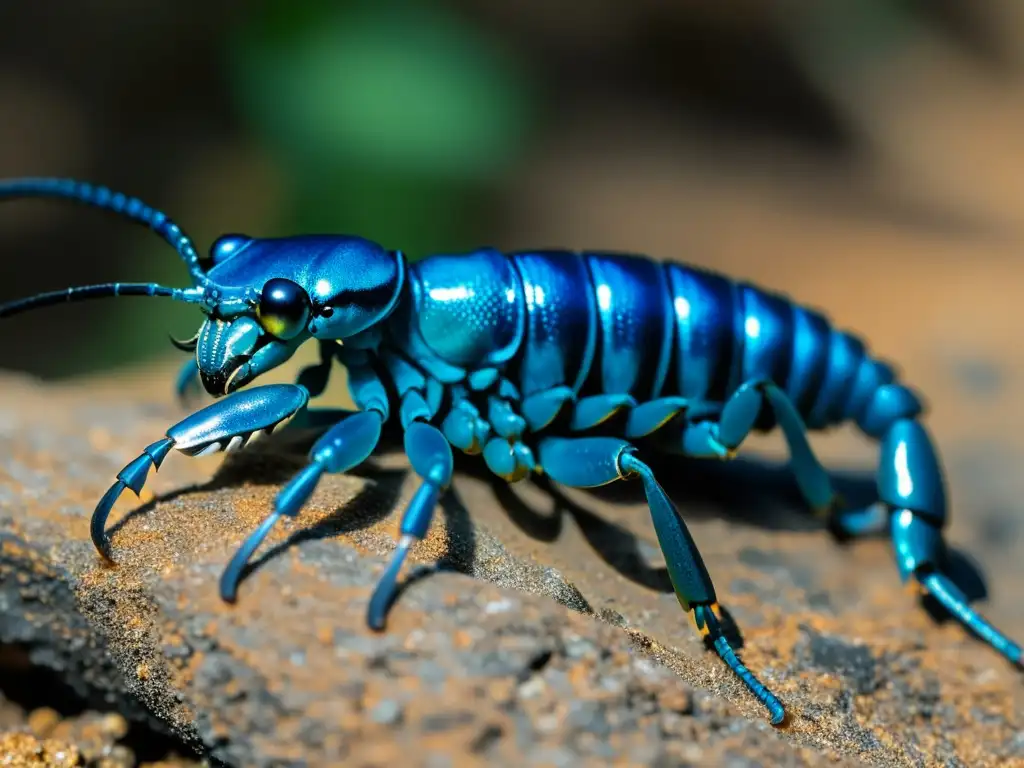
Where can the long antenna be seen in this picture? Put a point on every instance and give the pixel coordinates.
(87, 292)
(115, 202)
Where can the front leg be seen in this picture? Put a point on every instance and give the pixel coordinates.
(227, 425)
(430, 455)
(348, 443)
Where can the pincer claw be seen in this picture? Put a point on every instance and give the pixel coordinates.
(226, 424)
(229, 423)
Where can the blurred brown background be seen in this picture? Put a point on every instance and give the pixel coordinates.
(867, 156)
(864, 156)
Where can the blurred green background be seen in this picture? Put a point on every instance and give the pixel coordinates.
(443, 126)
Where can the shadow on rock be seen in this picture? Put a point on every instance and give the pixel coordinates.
(371, 505)
(744, 492)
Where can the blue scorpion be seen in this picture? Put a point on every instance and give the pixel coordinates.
(569, 364)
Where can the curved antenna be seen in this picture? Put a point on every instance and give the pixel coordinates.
(101, 291)
(115, 202)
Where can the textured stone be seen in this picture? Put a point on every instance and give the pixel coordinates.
(549, 637)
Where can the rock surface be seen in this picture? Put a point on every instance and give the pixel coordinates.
(550, 637)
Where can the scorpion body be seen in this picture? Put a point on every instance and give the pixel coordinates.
(574, 365)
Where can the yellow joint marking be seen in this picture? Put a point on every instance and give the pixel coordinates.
(724, 452)
(836, 503)
(617, 409)
(619, 470)
(717, 612)
(663, 422)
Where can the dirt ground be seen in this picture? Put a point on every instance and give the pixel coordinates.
(551, 636)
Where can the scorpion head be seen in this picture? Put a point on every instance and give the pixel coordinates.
(293, 289)
(262, 297)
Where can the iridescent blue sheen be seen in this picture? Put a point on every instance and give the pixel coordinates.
(461, 313)
(634, 326)
(811, 338)
(845, 356)
(568, 364)
(561, 336)
(708, 345)
(352, 283)
(767, 336)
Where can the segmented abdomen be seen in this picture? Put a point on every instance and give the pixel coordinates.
(613, 323)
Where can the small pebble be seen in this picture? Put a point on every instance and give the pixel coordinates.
(387, 712)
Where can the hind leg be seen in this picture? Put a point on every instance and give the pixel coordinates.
(910, 487)
(593, 461)
(910, 483)
(736, 422)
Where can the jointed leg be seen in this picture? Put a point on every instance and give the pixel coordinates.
(910, 484)
(224, 425)
(431, 457)
(347, 444)
(737, 421)
(595, 461)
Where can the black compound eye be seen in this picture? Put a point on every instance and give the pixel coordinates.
(284, 308)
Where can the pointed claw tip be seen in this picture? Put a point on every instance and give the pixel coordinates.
(381, 599)
(106, 558)
(102, 546)
(384, 593)
(228, 591)
(374, 621)
(380, 602)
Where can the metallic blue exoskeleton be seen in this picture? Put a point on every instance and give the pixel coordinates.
(571, 364)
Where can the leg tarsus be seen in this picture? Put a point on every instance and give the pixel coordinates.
(288, 504)
(942, 588)
(921, 554)
(232, 574)
(707, 622)
(98, 522)
(384, 593)
(133, 476)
